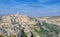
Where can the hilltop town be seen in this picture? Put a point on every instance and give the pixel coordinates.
(24, 26)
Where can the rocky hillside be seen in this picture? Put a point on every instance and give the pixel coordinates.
(25, 26)
(52, 20)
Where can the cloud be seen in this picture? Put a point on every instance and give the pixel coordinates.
(26, 0)
(30, 2)
(40, 1)
(31, 7)
(48, 2)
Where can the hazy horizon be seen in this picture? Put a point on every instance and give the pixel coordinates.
(34, 8)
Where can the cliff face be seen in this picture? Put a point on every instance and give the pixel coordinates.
(25, 26)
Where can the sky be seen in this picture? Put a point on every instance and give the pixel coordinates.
(33, 8)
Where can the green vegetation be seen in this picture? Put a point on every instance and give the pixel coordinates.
(41, 32)
(51, 27)
(23, 34)
(45, 33)
(1, 35)
(12, 36)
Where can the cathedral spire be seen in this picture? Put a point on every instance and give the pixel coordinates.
(18, 13)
